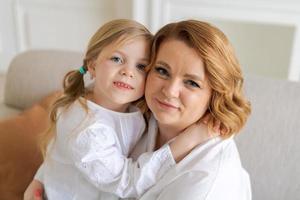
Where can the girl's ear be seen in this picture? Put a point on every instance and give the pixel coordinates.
(91, 68)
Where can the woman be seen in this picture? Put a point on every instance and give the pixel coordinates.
(194, 72)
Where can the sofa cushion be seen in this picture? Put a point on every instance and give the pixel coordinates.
(35, 73)
(270, 142)
(7, 111)
(19, 153)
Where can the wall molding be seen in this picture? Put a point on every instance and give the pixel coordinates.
(260, 12)
(33, 15)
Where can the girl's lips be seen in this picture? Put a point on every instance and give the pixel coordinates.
(122, 85)
(166, 105)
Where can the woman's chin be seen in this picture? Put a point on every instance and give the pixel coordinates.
(165, 118)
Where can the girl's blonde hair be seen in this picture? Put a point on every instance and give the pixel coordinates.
(117, 32)
(228, 103)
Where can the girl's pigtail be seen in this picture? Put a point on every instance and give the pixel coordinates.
(73, 85)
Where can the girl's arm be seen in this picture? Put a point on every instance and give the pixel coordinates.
(97, 154)
(35, 188)
(34, 191)
(144, 165)
(40, 173)
(190, 138)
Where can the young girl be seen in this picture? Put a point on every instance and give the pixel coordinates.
(96, 129)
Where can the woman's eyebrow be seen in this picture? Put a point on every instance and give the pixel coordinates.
(190, 76)
(164, 64)
(194, 77)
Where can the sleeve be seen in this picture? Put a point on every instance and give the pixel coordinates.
(97, 154)
(39, 175)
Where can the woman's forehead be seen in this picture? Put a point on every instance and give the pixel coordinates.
(176, 55)
(177, 47)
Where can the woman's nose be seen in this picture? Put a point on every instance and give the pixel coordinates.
(126, 71)
(171, 89)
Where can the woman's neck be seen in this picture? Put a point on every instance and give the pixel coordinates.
(166, 133)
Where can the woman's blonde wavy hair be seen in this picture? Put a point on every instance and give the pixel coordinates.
(118, 32)
(228, 104)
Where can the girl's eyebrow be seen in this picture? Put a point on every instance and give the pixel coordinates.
(145, 60)
(119, 52)
(125, 55)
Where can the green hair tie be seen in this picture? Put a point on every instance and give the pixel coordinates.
(82, 70)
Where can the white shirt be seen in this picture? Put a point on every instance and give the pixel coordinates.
(212, 171)
(88, 158)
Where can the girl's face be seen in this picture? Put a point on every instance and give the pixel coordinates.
(120, 74)
(177, 90)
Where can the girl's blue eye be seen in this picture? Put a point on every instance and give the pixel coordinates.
(141, 67)
(161, 71)
(192, 83)
(116, 59)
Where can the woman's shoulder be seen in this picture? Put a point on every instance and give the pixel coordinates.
(211, 157)
(215, 149)
(211, 171)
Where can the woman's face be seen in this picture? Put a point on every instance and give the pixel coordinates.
(177, 90)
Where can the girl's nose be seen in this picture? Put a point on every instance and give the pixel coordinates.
(126, 71)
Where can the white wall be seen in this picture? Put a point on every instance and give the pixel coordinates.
(8, 44)
(265, 33)
(263, 49)
(55, 24)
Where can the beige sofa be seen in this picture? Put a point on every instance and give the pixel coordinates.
(269, 144)
(31, 76)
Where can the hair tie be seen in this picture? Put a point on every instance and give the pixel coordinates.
(82, 70)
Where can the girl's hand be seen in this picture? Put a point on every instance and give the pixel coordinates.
(191, 137)
(216, 126)
(199, 133)
(34, 191)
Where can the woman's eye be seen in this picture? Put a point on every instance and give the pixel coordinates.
(161, 71)
(192, 83)
(116, 59)
(141, 67)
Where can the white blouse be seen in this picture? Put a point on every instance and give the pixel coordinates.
(88, 158)
(212, 171)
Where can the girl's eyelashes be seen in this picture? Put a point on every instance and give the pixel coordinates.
(117, 59)
(192, 83)
(161, 71)
(141, 67)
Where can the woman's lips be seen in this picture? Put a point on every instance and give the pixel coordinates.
(122, 85)
(166, 105)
